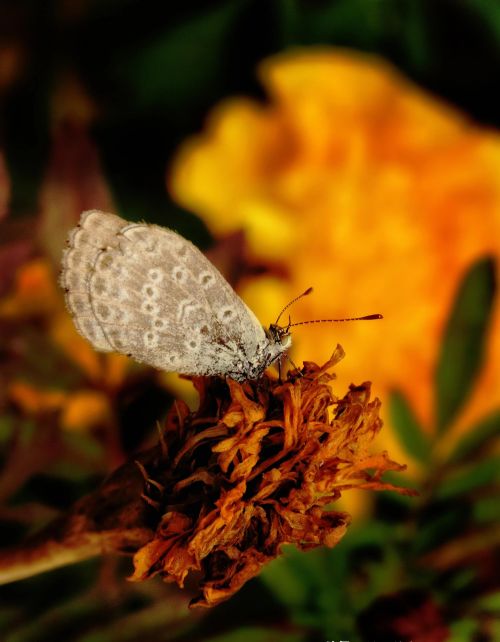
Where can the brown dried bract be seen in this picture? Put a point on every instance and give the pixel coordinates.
(255, 467)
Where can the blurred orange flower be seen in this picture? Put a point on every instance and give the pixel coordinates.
(356, 182)
(36, 295)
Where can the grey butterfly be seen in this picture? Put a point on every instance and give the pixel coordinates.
(147, 292)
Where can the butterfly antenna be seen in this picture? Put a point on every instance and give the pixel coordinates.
(308, 291)
(368, 317)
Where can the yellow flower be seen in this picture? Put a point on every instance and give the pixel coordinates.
(356, 182)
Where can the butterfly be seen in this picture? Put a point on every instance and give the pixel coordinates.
(145, 291)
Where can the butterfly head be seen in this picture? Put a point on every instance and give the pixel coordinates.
(280, 335)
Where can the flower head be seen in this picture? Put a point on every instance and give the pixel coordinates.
(256, 467)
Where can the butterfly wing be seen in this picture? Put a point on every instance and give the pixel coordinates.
(94, 232)
(147, 292)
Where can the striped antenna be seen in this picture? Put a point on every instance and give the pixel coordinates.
(308, 291)
(368, 317)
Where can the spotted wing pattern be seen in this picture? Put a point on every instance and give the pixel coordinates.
(145, 291)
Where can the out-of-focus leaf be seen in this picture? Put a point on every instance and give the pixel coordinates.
(489, 12)
(284, 581)
(146, 622)
(487, 510)
(461, 580)
(373, 556)
(8, 616)
(316, 582)
(439, 529)
(408, 429)
(462, 348)
(84, 444)
(318, 592)
(366, 25)
(188, 56)
(60, 622)
(474, 476)
(258, 634)
(462, 547)
(415, 34)
(6, 428)
(84, 456)
(393, 508)
(26, 429)
(490, 602)
(48, 605)
(464, 630)
(477, 438)
(329, 21)
(495, 629)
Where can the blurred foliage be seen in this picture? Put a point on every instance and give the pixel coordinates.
(153, 70)
(156, 68)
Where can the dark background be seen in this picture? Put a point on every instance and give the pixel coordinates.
(155, 69)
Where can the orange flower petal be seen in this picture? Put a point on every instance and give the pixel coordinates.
(33, 400)
(85, 409)
(34, 293)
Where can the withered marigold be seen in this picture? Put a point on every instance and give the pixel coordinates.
(256, 467)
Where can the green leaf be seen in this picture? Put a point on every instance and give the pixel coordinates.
(460, 581)
(6, 428)
(181, 64)
(361, 24)
(475, 476)
(345, 20)
(408, 429)
(477, 438)
(439, 529)
(285, 582)
(415, 34)
(486, 510)
(463, 630)
(462, 350)
(490, 14)
(490, 602)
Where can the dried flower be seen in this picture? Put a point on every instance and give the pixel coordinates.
(255, 468)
